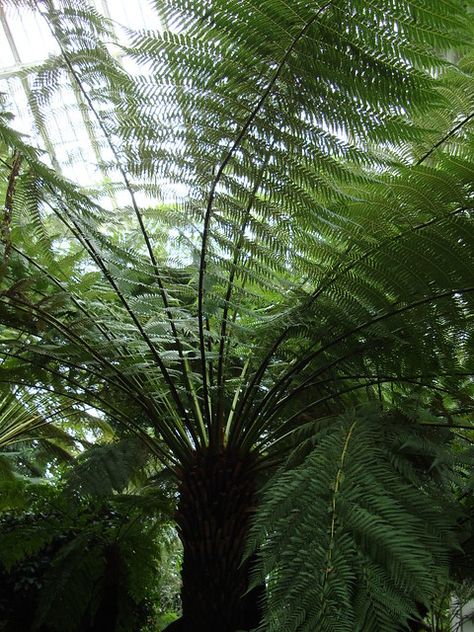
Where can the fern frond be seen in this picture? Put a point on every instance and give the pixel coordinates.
(348, 540)
(105, 469)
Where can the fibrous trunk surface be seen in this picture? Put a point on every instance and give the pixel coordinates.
(217, 498)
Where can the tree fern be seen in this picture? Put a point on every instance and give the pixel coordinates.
(104, 469)
(290, 234)
(79, 564)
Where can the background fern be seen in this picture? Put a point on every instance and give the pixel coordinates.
(82, 565)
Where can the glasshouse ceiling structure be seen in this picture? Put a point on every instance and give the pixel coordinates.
(67, 132)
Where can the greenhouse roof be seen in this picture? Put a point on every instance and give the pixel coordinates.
(66, 132)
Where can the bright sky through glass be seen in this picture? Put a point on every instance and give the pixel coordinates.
(25, 40)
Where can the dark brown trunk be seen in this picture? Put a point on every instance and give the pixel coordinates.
(416, 624)
(106, 617)
(217, 498)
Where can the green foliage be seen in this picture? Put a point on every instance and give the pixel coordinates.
(78, 565)
(29, 441)
(297, 286)
(103, 469)
(66, 595)
(283, 232)
(357, 533)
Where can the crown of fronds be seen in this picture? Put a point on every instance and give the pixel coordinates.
(283, 226)
(290, 245)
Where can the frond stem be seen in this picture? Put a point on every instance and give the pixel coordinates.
(128, 186)
(76, 231)
(174, 434)
(230, 287)
(337, 272)
(267, 442)
(212, 194)
(445, 138)
(121, 418)
(287, 377)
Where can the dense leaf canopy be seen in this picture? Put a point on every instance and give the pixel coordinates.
(285, 234)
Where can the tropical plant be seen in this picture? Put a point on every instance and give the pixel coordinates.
(88, 541)
(282, 307)
(97, 560)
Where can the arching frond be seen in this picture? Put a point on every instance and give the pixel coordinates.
(346, 533)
